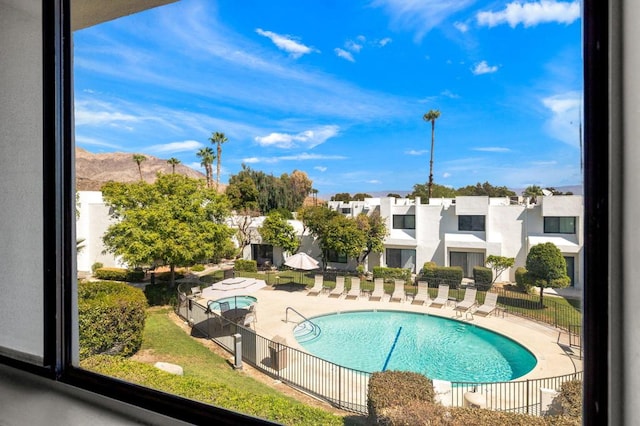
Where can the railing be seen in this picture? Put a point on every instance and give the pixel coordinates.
(344, 387)
(315, 328)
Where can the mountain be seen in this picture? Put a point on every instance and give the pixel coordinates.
(94, 170)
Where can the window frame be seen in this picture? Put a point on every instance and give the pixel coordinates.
(403, 218)
(334, 257)
(603, 104)
(473, 218)
(547, 224)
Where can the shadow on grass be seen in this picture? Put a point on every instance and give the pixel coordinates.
(290, 287)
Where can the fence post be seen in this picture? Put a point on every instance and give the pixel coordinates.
(527, 397)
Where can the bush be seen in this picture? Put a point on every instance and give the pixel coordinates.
(166, 276)
(450, 275)
(390, 389)
(197, 268)
(111, 318)
(95, 267)
(390, 274)
(119, 274)
(570, 398)
(523, 282)
(160, 294)
(482, 276)
(242, 265)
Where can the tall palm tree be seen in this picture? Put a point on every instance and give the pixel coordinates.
(431, 116)
(173, 161)
(139, 158)
(218, 138)
(206, 160)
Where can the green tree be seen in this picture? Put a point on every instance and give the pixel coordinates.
(218, 138)
(499, 264)
(173, 162)
(342, 235)
(206, 160)
(438, 191)
(431, 116)
(547, 268)
(532, 191)
(394, 195)
(375, 231)
(175, 220)
(360, 196)
(138, 159)
(486, 189)
(345, 197)
(275, 230)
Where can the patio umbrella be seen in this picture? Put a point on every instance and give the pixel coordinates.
(233, 287)
(302, 262)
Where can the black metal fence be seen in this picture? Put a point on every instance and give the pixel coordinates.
(346, 388)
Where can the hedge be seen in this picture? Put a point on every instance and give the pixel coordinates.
(245, 265)
(160, 294)
(119, 274)
(450, 275)
(396, 388)
(482, 276)
(523, 282)
(390, 274)
(111, 318)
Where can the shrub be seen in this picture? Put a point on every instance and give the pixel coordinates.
(197, 268)
(160, 294)
(246, 265)
(570, 398)
(119, 274)
(482, 276)
(96, 266)
(390, 274)
(450, 275)
(166, 276)
(111, 318)
(390, 389)
(523, 282)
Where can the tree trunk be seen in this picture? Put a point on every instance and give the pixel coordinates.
(541, 297)
(173, 275)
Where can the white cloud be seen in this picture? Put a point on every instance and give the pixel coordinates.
(492, 149)
(532, 13)
(461, 26)
(416, 152)
(484, 68)
(344, 54)
(251, 160)
(308, 138)
(101, 114)
(286, 43)
(298, 157)
(373, 181)
(446, 175)
(384, 41)
(449, 94)
(421, 16)
(83, 140)
(565, 117)
(320, 168)
(352, 46)
(176, 147)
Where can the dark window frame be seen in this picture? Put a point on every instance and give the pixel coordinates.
(335, 257)
(476, 223)
(554, 224)
(399, 221)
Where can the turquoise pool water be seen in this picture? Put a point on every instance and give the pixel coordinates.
(439, 348)
(239, 302)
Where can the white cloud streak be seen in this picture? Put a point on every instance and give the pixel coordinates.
(286, 43)
(416, 152)
(565, 117)
(532, 13)
(184, 146)
(344, 54)
(308, 138)
(320, 168)
(484, 68)
(492, 149)
(298, 157)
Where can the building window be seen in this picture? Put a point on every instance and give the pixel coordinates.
(345, 210)
(404, 221)
(334, 256)
(559, 225)
(262, 253)
(401, 258)
(466, 260)
(470, 223)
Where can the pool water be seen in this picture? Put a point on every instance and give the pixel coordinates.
(439, 348)
(240, 302)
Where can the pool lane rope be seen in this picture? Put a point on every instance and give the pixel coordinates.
(386, 362)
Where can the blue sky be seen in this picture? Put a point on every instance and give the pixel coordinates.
(338, 89)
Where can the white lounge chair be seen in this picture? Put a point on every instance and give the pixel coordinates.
(378, 289)
(317, 286)
(354, 291)
(196, 292)
(398, 294)
(442, 298)
(468, 302)
(422, 296)
(339, 288)
(490, 304)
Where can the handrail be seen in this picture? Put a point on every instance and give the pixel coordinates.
(315, 326)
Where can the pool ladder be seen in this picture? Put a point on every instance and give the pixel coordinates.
(315, 328)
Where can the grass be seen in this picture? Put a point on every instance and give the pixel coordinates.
(207, 377)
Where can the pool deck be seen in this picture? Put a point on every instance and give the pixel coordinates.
(546, 343)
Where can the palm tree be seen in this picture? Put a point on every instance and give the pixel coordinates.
(139, 158)
(206, 160)
(218, 138)
(173, 161)
(431, 116)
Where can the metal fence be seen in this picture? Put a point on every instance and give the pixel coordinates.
(343, 387)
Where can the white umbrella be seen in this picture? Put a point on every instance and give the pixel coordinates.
(302, 261)
(233, 287)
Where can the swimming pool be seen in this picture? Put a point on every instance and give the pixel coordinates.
(239, 302)
(439, 348)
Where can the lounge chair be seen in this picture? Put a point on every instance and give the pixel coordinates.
(317, 286)
(442, 298)
(489, 305)
(398, 294)
(378, 289)
(468, 302)
(339, 288)
(196, 292)
(422, 296)
(354, 291)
